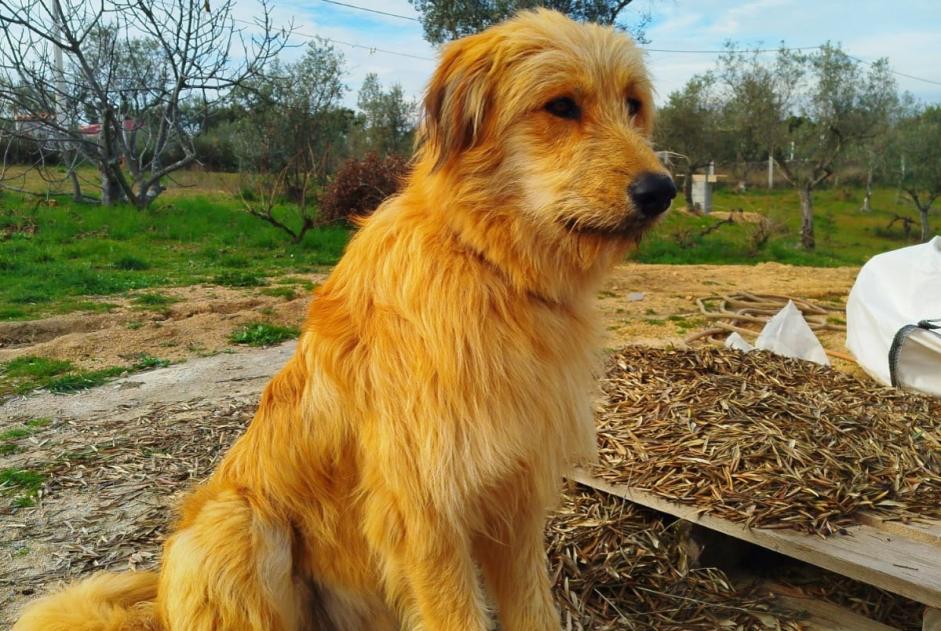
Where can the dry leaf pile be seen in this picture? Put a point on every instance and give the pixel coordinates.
(112, 486)
(620, 567)
(767, 441)
(871, 602)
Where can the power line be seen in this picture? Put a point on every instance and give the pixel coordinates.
(353, 6)
(723, 51)
(774, 50)
(372, 49)
(896, 72)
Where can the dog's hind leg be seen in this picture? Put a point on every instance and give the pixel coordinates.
(230, 569)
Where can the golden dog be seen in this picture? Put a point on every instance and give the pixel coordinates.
(400, 467)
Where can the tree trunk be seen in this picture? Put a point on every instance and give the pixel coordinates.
(76, 185)
(111, 192)
(807, 217)
(867, 199)
(925, 228)
(688, 187)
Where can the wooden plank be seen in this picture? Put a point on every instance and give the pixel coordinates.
(888, 561)
(822, 615)
(926, 532)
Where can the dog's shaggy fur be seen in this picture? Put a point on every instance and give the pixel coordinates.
(400, 466)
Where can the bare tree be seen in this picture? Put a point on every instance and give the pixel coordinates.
(128, 67)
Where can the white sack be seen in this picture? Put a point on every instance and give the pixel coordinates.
(915, 358)
(739, 343)
(788, 334)
(893, 290)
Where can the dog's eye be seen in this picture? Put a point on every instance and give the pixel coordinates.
(563, 107)
(633, 107)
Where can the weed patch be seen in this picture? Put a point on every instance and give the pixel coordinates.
(281, 291)
(153, 299)
(262, 334)
(239, 279)
(22, 484)
(25, 374)
(9, 438)
(148, 362)
(131, 263)
(33, 367)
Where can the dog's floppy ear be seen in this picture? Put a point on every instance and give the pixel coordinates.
(458, 98)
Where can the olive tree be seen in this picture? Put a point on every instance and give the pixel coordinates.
(755, 97)
(688, 125)
(386, 118)
(831, 112)
(917, 145)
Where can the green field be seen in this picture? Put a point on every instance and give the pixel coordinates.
(845, 236)
(54, 257)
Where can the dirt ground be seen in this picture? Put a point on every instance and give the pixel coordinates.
(118, 456)
(638, 302)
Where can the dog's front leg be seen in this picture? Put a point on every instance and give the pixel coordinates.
(513, 559)
(427, 564)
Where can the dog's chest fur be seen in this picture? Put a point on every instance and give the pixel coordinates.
(475, 378)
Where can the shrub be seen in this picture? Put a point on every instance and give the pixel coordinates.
(360, 185)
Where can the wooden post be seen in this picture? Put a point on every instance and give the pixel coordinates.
(931, 620)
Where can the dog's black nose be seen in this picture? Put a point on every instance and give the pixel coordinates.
(652, 193)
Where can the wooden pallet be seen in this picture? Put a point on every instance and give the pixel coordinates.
(904, 559)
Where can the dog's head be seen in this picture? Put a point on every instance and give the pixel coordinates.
(558, 117)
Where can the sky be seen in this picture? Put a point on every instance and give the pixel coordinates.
(908, 32)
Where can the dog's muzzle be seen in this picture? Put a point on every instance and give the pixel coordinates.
(652, 193)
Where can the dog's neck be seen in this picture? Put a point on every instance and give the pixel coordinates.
(538, 260)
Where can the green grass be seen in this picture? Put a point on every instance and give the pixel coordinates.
(78, 251)
(281, 291)
(32, 367)
(9, 438)
(22, 484)
(153, 299)
(83, 379)
(28, 373)
(262, 334)
(239, 279)
(15, 433)
(844, 235)
(148, 362)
